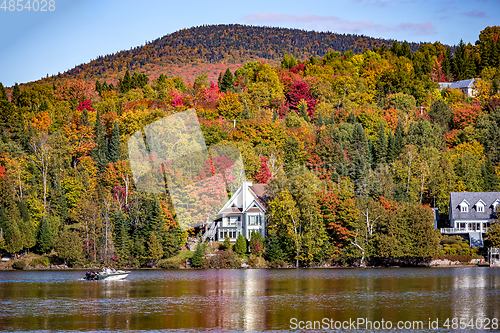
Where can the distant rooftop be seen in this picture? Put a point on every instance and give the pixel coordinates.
(458, 84)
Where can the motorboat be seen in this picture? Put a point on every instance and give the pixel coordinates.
(107, 274)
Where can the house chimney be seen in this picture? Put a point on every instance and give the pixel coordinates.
(245, 186)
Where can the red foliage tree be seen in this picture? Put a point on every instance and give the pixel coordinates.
(263, 175)
(85, 104)
(298, 91)
(462, 117)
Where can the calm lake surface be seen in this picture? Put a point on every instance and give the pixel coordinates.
(249, 300)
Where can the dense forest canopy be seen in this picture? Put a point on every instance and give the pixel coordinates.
(355, 143)
(207, 46)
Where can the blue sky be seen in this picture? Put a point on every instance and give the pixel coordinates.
(34, 44)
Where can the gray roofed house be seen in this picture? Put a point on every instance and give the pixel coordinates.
(243, 214)
(466, 86)
(471, 214)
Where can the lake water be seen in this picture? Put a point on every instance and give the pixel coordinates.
(252, 300)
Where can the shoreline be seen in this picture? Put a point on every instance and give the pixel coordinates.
(67, 268)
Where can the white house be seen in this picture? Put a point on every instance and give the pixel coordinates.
(243, 214)
(466, 86)
(471, 214)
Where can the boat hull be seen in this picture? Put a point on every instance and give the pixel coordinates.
(112, 276)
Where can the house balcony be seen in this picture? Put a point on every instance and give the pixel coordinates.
(454, 231)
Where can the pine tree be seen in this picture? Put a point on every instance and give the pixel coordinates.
(9, 218)
(45, 239)
(391, 148)
(381, 149)
(226, 245)
(171, 244)
(84, 118)
(398, 139)
(121, 237)
(275, 115)
(240, 246)
(100, 151)
(490, 178)
(352, 118)
(199, 252)
(303, 111)
(371, 153)
(320, 122)
(245, 114)
(155, 249)
(26, 226)
(273, 249)
(227, 83)
(16, 92)
(3, 93)
(125, 84)
(98, 86)
(114, 144)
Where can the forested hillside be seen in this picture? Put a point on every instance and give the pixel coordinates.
(355, 149)
(206, 46)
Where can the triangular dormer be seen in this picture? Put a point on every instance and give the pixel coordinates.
(480, 206)
(495, 204)
(254, 205)
(464, 206)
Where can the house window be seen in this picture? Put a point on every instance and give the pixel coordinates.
(253, 220)
(233, 220)
(480, 208)
(230, 233)
(464, 208)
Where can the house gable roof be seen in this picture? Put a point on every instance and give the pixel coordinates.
(458, 84)
(487, 198)
(258, 191)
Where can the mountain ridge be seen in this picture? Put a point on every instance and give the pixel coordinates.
(230, 44)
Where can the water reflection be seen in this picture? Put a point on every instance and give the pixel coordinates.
(250, 300)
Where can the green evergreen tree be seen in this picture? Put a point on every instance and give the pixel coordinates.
(398, 139)
(121, 237)
(171, 244)
(275, 115)
(351, 119)
(226, 245)
(199, 253)
(381, 148)
(9, 219)
(240, 246)
(114, 144)
(3, 93)
(45, 238)
(391, 148)
(489, 176)
(84, 118)
(245, 114)
(98, 86)
(125, 84)
(273, 249)
(293, 157)
(16, 92)
(320, 122)
(303, 111)
(100, 151)
(26, 226)
(227, 83)
(155, 249)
